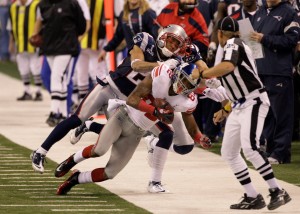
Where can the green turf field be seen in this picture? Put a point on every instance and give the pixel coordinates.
(25, 191)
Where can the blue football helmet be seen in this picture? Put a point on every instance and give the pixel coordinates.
(183, 83)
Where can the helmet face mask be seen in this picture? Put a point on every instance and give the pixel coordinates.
(172, 40)
(183, 83)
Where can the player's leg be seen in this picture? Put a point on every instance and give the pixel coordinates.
(24, 70)
(35, 67)
(123, 148)
(255, 117)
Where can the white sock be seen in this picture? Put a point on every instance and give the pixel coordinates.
(78, 156)
(41, 151)
(88, 124)
(273, 183)
(250, 190)
(159, 159)
(85, 177)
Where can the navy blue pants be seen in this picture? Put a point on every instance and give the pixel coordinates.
(278, 128)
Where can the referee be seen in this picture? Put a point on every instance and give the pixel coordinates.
(249, 107)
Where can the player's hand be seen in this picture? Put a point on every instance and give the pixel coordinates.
(219, 116)
(213, 83)
(203, 140)
(172, 63)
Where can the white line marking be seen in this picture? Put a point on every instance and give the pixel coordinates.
(54, 205)
(27, 178)
(22, 185)
(61, 196)
(72, 201)
(5, 149)
(10, 161)
(35, 181)
(14, 157)
(27, 173)
(87, 210)
(18, 170)
(48, 189)
(15, 164)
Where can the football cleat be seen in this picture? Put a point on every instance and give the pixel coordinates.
(64, 167)
(249, 203)
(37, 160)
(38, 96)
(156, 187)
(24, 97)
(77, 133)
(278, 198)
(54, 119)
(66, 186)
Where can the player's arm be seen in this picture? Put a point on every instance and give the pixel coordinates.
(143, 89)
(219, 70)
(138, 62)
(194, 131)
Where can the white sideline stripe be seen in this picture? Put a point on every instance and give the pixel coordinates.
(14, 157)
(72, 201)
(21, 161)
(87, 210)
(5, 149)
(61, 196)
(23, 185)
(73, 193)
(35, 182)
(16, 164)
(47, 189)
(55, 205)
(17, 170)
(28, 173)
(28, 178)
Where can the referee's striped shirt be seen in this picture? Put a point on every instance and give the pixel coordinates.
(244, 79)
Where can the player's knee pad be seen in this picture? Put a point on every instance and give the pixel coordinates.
(165, 139)
(184, 149)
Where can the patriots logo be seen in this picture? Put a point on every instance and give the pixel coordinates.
(278, 18)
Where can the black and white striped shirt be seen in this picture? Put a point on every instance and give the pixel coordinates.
(244, 78)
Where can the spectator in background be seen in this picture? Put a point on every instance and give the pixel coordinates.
(185, 14)
(22, 19)
(158, 5)
(136, 17)
(276, 28)
(4, 34)
(62, 22)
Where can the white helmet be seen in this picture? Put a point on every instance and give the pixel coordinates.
(176, 32)
(183, 83)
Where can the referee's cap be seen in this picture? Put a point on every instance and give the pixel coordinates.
(228, 24)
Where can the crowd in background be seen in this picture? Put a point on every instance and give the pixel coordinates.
(130, 21)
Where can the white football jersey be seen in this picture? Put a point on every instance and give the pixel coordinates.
(161, 77)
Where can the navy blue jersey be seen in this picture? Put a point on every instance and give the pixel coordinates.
(124, 77)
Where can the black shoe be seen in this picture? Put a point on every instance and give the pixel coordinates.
(66, 186)
(24, 97)
(278, 198)
(38, 96)
(37, 160)
(77, 133)
(64, 167)
(54, 119)
(249, 203)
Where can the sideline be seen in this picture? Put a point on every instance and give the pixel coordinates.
(199, 182)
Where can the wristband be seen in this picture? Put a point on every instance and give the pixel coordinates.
(197, 137)
(144, 107)
(227, 107)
